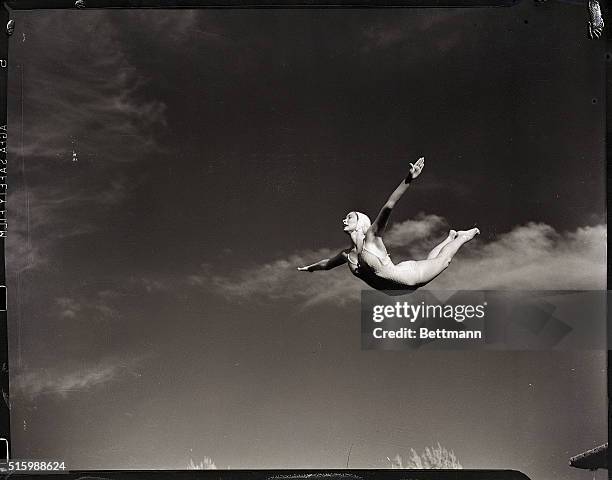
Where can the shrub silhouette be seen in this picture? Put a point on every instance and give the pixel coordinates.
(431, 457)
(206, 464)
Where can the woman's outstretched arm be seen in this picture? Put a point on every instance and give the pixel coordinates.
(327, 263)
(379, 225)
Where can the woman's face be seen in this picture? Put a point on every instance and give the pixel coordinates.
(350, 222)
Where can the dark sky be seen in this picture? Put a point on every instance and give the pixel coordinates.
(156, 314)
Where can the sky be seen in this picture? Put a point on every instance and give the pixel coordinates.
(169, 170)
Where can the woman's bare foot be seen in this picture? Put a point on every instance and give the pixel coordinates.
(452, 234)
(467, 235)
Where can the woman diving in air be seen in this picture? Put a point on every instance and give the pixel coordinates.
(368, 258)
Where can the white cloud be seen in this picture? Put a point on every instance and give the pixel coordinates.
(418, 236)
(40, 216)
(91, 101)
(68, 307)
(279, 279)
(169, 28)
(152, 285)
(437, 26)
(31, 383)
(100, 105)
(531, 256)
(87, 307)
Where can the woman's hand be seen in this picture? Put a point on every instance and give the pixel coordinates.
(417, 168)
(304, 269)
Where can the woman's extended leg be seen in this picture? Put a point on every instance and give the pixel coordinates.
(424, 271)
(436, 251)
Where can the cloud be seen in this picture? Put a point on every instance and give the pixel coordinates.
(442, 30)
(87, 307)
(62, 382)
(90, 303)
(171, 29)
(152, 285)
(68, 307)
(412, 233)
(378, 36)
(97, 104)
(531, 256)
(280, 280)
(28, 217)
(40, 216)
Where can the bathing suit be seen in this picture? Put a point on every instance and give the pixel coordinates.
(383, 261)
(379, 272)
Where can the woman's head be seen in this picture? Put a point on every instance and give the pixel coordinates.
(356, 221)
